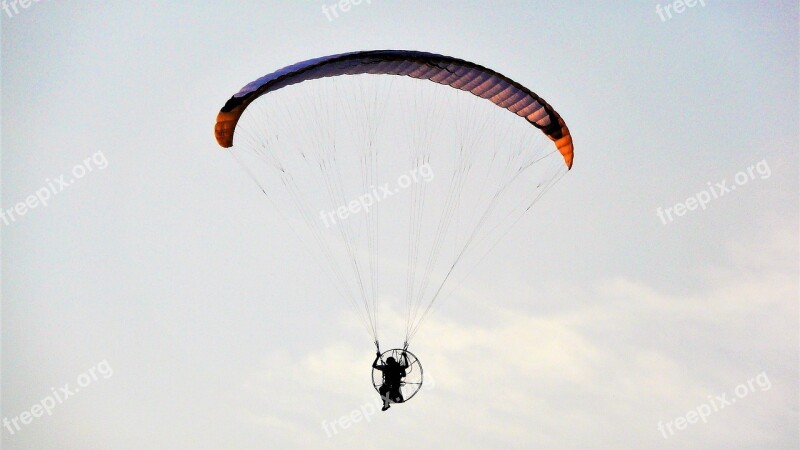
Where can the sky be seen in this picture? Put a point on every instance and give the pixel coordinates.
(156, 301)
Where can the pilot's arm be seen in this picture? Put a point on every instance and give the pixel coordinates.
(375, 363)
(404, 365)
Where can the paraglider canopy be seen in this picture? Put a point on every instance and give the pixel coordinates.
(399, 171)
(457, 73)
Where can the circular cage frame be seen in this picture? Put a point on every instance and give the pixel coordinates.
(414, 367)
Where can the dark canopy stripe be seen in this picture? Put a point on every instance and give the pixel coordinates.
(459, 74)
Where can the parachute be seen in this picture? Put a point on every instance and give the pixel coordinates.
(459, 74)
(399, 170)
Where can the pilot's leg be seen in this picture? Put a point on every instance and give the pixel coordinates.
(397, 395)
(384, 391)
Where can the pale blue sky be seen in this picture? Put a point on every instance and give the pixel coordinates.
(587, 327)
